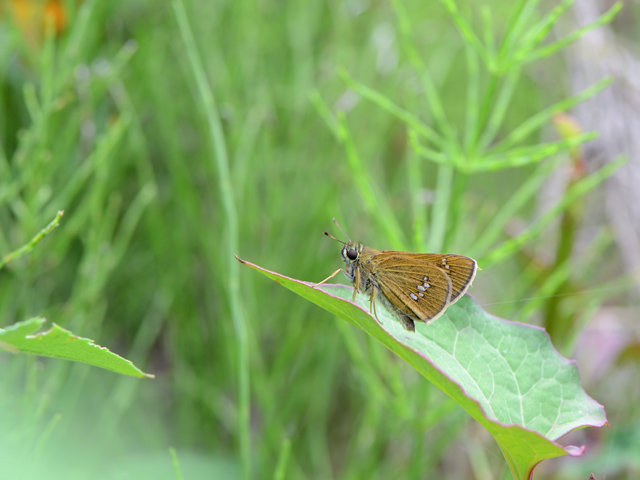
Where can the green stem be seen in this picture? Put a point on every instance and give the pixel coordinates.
(455, 216)
(428, 86)
(555, 323)
(219, 150)
(283, 460)
(440, 208)
(176, 465)
(576, 191)
(418, 206)
(483, 114)
(34, 241)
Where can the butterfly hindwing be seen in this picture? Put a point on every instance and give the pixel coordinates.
(460, 269)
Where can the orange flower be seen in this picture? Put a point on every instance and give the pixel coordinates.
(32, 17)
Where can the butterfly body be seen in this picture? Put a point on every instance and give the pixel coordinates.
(412, 286)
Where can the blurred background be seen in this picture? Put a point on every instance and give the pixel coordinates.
(165, 171)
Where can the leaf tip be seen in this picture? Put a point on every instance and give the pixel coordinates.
(574, 451)
(239, 259)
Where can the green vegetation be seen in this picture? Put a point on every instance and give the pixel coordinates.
(176, 134)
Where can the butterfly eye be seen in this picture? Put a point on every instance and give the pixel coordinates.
(352, 254)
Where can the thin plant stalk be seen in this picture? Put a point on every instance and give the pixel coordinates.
(219, 151)
(440, 209)
(33, 242)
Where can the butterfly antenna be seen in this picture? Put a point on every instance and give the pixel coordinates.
(334, 238)
(336, 222)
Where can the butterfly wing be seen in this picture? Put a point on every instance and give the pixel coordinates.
(417, 289)
(460, 269)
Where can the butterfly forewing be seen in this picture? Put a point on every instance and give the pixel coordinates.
(417, 289)
(460, 269)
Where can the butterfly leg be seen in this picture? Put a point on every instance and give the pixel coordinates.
(357, 284)
(328, 278)
(372, 305)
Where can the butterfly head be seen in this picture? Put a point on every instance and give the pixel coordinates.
(350, 252)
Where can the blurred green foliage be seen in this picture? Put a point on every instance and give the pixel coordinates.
(107, 121)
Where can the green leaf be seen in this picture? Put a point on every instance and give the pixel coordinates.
(506, 375)
(60, 343)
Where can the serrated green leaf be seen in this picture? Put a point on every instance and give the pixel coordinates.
(506, 375)
(60, 343)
